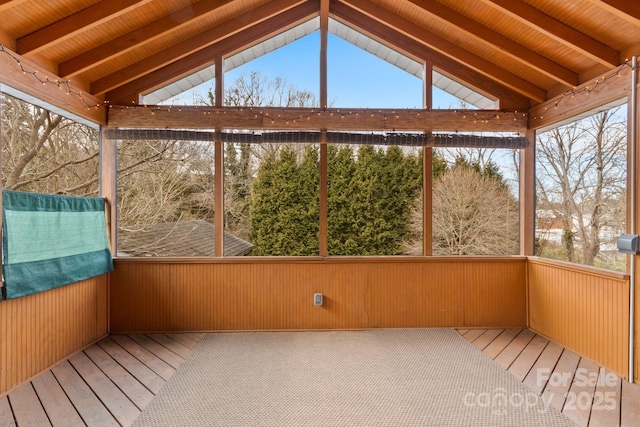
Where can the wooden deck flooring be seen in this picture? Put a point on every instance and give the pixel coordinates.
(585, 392)
(107, 384)
(111, 382)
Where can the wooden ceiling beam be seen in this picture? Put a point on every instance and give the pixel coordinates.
(138, 37)
(83, 20)
(513, 50)
(279, 118)
(562, 33)
(444, 64)
(625, 9)
(8, 4)
(65, 96)
(129, 92)
(189, 46)
(437, 43)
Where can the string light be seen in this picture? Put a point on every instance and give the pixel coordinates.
(60, 84)
(586, 90)
(285, 117)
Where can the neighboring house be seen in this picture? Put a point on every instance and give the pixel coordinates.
(550, 228)
(178, 239)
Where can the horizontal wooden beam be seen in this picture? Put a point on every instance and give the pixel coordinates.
(138, 37)
(422, 35)
(87, 18)
(505, 45)
(189, 46)
(607, 88)
(568, 36)
(43, 85)
(268, 118)
(129, 93)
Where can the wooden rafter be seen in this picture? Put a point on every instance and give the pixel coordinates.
(138, 37)
(205, 57)
(74, 24)
(442, 46)
(8, 4)
(194, 44)
(568, 36)
(625, 9)
(514, 50)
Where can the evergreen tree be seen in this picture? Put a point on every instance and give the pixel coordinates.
(370, 198)
(284, 204)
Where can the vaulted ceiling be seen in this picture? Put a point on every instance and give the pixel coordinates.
(520, 51)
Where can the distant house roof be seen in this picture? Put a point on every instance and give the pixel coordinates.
(178, 239)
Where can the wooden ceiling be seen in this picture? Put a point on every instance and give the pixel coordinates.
(520, 51)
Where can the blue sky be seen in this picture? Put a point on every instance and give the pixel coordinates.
(356, 78)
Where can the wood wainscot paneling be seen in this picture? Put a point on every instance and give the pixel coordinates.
(39, 330)
(277, 293)
(582, 308)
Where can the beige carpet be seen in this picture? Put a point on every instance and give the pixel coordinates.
(401, 377)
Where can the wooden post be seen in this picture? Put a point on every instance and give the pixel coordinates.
(324, 198)
(527, 196)
(219, 164)
(427, 167)
(633, 223)
(108, 185)
(324, 179)
(324, 30)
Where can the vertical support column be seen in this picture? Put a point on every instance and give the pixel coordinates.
(324, 179)
(219, 163)
(633, 224)
(527, 196)
(108, 184)
(324, 198)
(427, 167)
(324, 31)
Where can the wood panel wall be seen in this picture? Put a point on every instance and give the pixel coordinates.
(39, 330)
(267, 294)
(584, 309)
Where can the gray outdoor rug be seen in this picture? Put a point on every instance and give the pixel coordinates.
(399, 377)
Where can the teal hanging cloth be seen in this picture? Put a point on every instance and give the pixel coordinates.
(50, 241)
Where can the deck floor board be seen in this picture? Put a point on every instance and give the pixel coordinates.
(159, 350)
(172, 345)
(522, 364)
(154, 362)
(487, 338)
(135, 391)
(606, 400)
(184, 339)
(629, 404)
(503, 340)
(26, 407)
(92, 411)
(152, 381)
(579, 401)
(6, 415)
(55, 402)
(109, 394)
(515, 347)
(540, 372)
